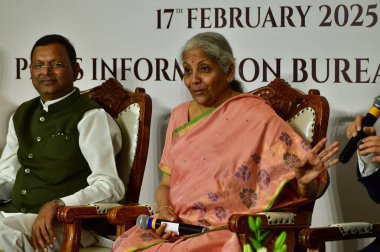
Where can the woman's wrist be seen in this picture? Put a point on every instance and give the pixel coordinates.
(164, 207)
(308, 190)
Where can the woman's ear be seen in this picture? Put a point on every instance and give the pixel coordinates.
(231, 73)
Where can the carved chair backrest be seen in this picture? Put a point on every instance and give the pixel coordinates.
(132, 111)
(308, 113)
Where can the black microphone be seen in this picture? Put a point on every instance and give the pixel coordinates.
(145, 222)
(368, 120)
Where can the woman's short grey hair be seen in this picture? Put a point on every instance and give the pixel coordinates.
(214, 45)
(217, 48)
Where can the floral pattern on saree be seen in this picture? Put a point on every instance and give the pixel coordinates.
(286, 138)
(291, 160)
(263, 177)
(248, 197)
(200, 206)
(213, 196)
(220, 213)
(243, 172)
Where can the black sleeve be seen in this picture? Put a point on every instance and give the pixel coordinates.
(372, 183)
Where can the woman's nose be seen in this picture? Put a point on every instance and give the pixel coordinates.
(195, 77)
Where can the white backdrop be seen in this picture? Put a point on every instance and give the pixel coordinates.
(332, 46)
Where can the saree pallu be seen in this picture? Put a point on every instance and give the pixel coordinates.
(236, 158)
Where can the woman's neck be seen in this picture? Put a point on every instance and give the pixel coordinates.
(196, 109)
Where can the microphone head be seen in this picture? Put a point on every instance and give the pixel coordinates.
(142, 221)
(376, 102)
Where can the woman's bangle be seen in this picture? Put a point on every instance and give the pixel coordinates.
(162, 207)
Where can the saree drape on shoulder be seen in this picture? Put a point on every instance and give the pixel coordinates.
(235, 158)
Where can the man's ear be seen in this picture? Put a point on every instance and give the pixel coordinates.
(78, 72)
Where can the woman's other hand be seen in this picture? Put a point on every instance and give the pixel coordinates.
(166, 213)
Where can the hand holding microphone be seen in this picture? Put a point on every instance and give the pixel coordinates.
(369, 120)
(147, 222)
(356, 126)
(369, 147)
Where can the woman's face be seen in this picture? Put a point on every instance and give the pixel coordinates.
(207, 83)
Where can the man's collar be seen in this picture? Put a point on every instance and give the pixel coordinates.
(45, 105)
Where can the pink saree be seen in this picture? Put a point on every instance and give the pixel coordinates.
(236, 158)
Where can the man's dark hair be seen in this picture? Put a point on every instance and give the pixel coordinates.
(56, 39)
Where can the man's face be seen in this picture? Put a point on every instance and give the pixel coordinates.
(53, 74)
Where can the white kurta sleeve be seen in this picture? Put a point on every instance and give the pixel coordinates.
(9, 164)
(100, 141)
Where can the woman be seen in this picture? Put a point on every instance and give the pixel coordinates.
(225, 152)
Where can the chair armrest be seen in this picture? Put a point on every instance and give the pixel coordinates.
(69, 214)
(71, 218)
(238, 223)
(315, 238)
(125, 216)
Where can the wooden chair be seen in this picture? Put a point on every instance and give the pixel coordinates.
(314, 239)
(132, 111)
(308, 114)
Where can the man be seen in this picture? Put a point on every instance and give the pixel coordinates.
(60, 150)
(368, 166)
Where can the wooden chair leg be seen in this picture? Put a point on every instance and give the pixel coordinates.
(71, 236)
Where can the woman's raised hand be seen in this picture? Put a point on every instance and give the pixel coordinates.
(316, 161)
